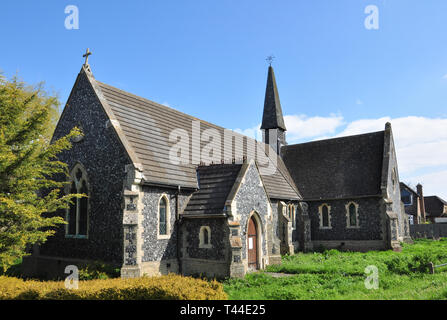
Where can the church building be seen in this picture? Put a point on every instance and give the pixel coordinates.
(168, 192)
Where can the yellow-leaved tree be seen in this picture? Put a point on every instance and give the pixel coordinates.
(28, 165)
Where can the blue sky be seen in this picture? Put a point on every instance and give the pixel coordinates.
(207, 58)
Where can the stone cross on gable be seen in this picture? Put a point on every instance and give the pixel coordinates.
(85, 55)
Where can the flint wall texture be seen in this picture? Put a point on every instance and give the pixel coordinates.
(369, 215)
(252, 197)
(104, 159)
(155, 249)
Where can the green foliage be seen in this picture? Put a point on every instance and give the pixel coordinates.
(98, 270)
(405, 264)
(332, 274)
(28, 161)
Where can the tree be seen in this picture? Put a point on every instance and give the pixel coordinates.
(29, 190)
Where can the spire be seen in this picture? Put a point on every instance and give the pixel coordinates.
(272, 117)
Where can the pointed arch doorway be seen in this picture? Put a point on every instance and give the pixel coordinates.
(252, 244)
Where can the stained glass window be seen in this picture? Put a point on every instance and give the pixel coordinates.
(77, 215)
(163, 230)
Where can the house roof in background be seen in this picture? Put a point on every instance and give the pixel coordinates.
(434, 206)
(404, 185)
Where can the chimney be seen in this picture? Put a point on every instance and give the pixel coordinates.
(421, 201)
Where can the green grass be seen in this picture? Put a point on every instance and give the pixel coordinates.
(341, 275)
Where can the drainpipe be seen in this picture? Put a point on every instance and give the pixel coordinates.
(177, 219)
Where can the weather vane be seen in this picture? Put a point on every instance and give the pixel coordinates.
(85, 55)
(270, 59)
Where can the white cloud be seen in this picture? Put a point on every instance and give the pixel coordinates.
(358, 102)
(421, 143)
(254, 132)
(302, 126)
(433, 183)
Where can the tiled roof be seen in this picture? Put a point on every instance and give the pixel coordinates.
(147, 126)
(337, 168)
(216, 182)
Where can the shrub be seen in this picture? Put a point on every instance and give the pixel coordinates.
(98, 270)
(170, 287)
(409, 264)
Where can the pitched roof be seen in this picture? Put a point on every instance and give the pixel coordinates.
(147, 126)
(434, 206)
(435, 198)
(272, 117)
(405, 186)
(337, 168)
(216, 182)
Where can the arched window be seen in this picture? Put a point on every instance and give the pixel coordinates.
(163, 217)
(352, 219)
(205, 237)
(325, 216)
(77, 213)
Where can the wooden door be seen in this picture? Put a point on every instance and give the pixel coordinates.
(252, 247)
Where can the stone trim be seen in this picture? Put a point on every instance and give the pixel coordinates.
(132, 220)
(292, 215)
(261, 237)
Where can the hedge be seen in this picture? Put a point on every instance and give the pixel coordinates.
(170, 287)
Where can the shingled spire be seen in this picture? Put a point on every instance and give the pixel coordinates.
(272, 117)
(273, 127)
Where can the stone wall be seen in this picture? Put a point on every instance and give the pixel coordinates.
(211, 262)
(431, 231)
(251, 197)
(369, 215)
(154, 247)
(104, 159)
